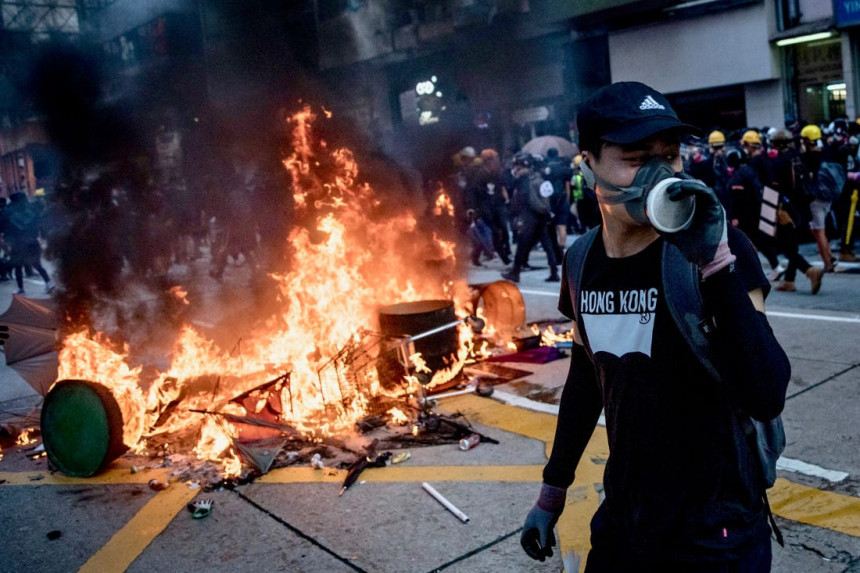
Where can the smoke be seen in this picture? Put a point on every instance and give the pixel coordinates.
(117, 226)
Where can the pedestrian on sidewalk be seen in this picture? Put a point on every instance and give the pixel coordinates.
(681, 492)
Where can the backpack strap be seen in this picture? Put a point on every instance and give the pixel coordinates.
(575, 265)
(684, 299)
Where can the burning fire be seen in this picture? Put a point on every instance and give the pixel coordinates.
(25, 438)
(444, 205)
(352, 254)
(549, 336)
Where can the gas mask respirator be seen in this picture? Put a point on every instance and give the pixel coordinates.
(645, 199)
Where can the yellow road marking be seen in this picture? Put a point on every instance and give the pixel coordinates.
(829, 510)
(792, 501)
(130, 541)
(409, 474)
(815, 507)
(108, 477)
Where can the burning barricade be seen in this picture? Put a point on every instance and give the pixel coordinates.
(372, 313)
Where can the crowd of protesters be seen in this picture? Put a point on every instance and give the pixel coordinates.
(781, 186)
(784, 187)
(526, 200)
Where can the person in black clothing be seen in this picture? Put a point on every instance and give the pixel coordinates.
(783, 160)
(486, 200)
(20, 227)
(532, 211)
(680, 492)
(745, 186)
(558, 172)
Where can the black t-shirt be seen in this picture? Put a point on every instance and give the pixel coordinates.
(674, 479)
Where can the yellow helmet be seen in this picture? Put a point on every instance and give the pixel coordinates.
(811, 132)
(751, 137)
(716, 137)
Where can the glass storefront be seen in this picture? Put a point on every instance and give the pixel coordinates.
(819, 83)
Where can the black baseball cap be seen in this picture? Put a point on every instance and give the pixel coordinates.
(627, 112)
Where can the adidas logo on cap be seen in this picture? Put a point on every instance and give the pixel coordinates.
(650, 103)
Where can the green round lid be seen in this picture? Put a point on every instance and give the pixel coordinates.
(75, 428)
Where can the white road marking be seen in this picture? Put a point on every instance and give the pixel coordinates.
(539, 292)
(826, 318)
(786, 464)
(800, 467)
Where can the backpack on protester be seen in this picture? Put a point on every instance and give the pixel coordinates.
(827, 183)
(680, 279)
(540, 191)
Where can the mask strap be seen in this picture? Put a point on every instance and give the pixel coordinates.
(618, 194)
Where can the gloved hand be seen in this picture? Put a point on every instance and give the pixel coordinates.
(537, 537)
(705, 241)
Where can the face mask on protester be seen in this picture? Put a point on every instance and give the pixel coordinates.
(634, 196)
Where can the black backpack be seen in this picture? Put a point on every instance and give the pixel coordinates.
(825, 184)
(681, 287)
(537, 202)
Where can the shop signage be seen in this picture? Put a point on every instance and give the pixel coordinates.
(819, 63)
(847, 12)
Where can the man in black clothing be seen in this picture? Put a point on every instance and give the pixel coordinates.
(532, 210)
(20, 228)
(681, 492)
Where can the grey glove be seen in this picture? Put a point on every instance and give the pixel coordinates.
(700, 240)
(537, 537)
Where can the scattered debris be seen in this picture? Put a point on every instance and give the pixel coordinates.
(490, 372)
(448, 505)
(370, 423)
(317, 463)
(36, 477)
(201, 508)
(469, 442)
(371, 460)
(54, 535)
(401, 457)
(260, 453)
(531, 355)
(156, 485)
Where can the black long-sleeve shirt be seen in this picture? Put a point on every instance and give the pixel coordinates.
(680, 478)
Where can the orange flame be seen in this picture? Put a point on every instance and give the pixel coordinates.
(25, 438)
(90, 358)
(351, 255)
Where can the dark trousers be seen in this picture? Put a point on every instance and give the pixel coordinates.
(786, 240)
(765, 244)
(27, 253)
(756, 559)
(530, 230)
(496, 218)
